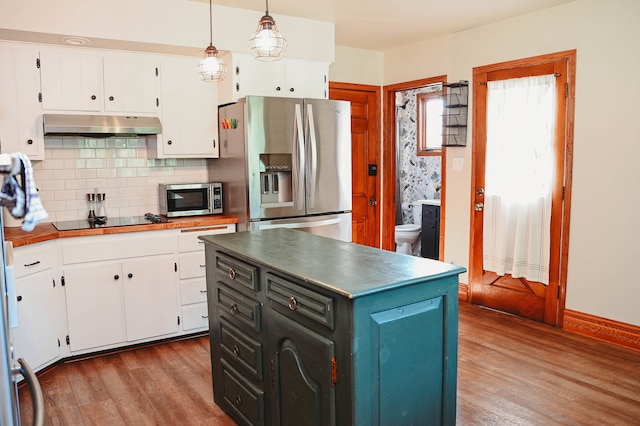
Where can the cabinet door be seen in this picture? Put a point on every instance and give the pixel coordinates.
(71, 81)
(261, 78)
(302, 362)
(131, 84)
(20, 112)
(36, 339)
(189, 112)
(95, 305)
(150, 297)
(307, 80)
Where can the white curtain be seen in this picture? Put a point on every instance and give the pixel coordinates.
(518, 176)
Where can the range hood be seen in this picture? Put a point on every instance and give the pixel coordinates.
(99, 125)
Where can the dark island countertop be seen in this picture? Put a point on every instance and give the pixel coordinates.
(349, 269)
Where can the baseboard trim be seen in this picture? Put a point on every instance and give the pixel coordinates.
(463, 292)
(599, 328)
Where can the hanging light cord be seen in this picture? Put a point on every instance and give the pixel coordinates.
(210, 24)
(266, 12)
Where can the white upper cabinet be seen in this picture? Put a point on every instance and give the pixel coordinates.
(71, 81)
(20, 111)
(96, 81)
(295, 78)
(189, 113)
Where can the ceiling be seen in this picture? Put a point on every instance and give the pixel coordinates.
(382, 25)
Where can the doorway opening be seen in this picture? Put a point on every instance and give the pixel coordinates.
(392, 192)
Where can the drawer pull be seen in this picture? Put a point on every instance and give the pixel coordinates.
(238, 400)
(19, 298)
(37, 262)
(202, 266)
(234, 310)
(205, 316)
(236, 350)
(232, 273)
(293, 303)
(203, 291)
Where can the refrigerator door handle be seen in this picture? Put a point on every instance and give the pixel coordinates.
(313, 156)
(299, 157)
(294, 225)
(37, 398)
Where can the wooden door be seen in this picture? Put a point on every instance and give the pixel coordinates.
(365, 151)
(520, 296)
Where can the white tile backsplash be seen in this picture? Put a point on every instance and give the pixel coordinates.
(118, 167)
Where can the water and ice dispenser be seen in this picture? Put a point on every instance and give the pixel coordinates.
(276, 180)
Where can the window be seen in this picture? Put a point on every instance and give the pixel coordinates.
(429, 122)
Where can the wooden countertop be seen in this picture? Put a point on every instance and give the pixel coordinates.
(46, 231)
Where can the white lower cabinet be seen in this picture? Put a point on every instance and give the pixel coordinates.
(40, 306)
(130, 297)
(191, 272)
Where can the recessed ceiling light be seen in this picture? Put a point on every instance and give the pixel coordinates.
(75, 41)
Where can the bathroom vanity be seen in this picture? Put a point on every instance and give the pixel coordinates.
(299, 322)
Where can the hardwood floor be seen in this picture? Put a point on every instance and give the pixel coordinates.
(511, 371)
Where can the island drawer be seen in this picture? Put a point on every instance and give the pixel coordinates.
(244, 399)
(239, 306)
(236, 272)
(294, 301)
(240, 348)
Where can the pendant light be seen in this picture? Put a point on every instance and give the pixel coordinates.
(211, 67)
(267, 44)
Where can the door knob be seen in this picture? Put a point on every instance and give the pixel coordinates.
(478, 207)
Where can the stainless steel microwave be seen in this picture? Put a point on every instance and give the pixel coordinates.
(190, 199)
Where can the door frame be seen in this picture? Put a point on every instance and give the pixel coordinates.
(475, 264)
(389, 163)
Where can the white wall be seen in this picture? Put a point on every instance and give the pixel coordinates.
(162, 22)
(357, 66)
(604, 234)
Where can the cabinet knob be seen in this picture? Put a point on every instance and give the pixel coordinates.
(238, 400)
(30, 141)
(94, 97)
(293, 303)
(111, 98)
(232, 274)
(19, 298)
(234, 310)
(236, 350)
(130, 275)
(116, 277)
(292, 90)
(169, 142)
(278, 88)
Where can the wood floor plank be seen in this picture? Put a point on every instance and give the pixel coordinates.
(511, 371)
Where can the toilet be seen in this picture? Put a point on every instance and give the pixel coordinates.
(407, 236)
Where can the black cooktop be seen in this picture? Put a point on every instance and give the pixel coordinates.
(147, 219)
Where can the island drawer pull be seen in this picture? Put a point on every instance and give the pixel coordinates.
(293, 303)
(234, 309)
(236, 350)
(232, 273)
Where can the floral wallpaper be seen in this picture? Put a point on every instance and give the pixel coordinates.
(419, 177)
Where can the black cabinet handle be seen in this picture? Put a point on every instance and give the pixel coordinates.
(93, 97)
(30, 141)
(32, 264)
(111, 98)
(19, 298)
(116, 277)
(169, 142)
(278, 88)
(130, 275)
(292, 89)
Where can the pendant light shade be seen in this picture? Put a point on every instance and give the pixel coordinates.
(267, 44)
(211, 67)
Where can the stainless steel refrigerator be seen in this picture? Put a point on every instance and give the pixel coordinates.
(286, 162)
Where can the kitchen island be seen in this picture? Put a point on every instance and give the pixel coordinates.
(310, 330)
